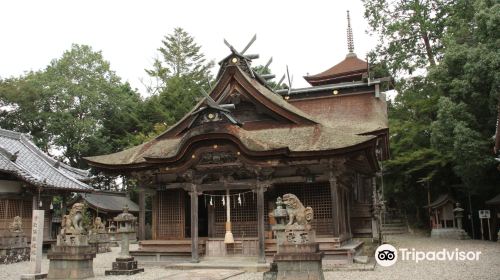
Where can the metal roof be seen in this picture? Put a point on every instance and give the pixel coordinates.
(20, 157)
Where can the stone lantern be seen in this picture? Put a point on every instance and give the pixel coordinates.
(125, 264)
(112, 235)
(459, 214)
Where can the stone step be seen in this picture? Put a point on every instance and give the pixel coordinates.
(361, 259)
(395, 231)
(393, 225)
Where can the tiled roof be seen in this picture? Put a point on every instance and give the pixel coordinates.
(20, 157)
(110, 202)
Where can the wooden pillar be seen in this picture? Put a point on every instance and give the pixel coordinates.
(194, 224)
(154, 218)
(260, 223)
(64, 206)
(35, 202)
(142, 214)
(335, 205)
(348, 209)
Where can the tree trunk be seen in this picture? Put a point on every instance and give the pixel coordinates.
(428, 48)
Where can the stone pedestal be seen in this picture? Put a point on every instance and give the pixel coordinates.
(71, 258)
(124, 266)
(300, 261)
(298, 256)
(101, 242)
(14, 248)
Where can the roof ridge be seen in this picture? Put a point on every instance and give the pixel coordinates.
(31, 146)
(10, 133)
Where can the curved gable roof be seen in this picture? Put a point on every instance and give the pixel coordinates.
(300, 133)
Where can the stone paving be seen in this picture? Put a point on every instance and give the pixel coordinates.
(487, 268)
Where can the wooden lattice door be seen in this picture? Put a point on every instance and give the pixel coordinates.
(315, 195)
(170, 220)
(243, 217)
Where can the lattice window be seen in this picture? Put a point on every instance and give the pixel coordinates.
(3, 209)
(170, 221)
(243, 218)
(316, 195)
(27, 209)
(14, 208)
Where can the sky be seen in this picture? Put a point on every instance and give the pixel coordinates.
(308, 36)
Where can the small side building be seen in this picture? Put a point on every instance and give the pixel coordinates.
(443, 220)
(107, 205)
(29, 179)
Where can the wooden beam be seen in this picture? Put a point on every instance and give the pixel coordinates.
(241, 184)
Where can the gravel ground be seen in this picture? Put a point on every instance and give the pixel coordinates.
(487, 268)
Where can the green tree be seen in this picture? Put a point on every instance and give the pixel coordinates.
(441, 121)
(179, 75)
(409, 31)
(76, 105)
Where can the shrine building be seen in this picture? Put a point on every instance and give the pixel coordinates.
(29, 179)
(222, 166)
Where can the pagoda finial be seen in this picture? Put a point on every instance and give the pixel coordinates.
(350, 40)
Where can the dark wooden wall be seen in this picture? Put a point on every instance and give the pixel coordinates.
(361, 206)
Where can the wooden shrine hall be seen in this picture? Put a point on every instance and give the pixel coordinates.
(222, 166)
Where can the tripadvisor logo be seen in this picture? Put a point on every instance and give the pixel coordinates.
(387, 255)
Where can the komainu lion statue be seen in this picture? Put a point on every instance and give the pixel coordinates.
(16, 226)
(297, 213)
(98, 226)
(73, 222)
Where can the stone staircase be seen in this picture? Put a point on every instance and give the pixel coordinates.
(394, 222)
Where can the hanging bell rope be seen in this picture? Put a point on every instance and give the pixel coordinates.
(228, 238)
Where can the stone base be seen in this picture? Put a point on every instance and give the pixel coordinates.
(34, 276)
(101, 242)
(13, 248)
(449, 233)
(300, 262)
(14, 255)
(71, 262)
(124, 266)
